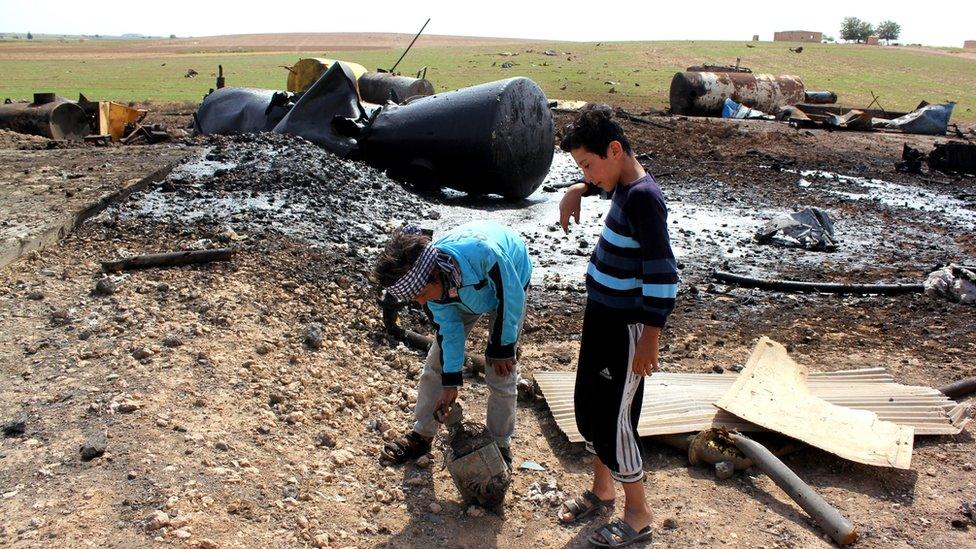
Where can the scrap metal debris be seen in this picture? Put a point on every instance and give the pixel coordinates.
(953, 157)
(676, 403)
(837, 526)
(47, 115)
(504, 145)
(474, 461)
(772, 391)
(704, 93)
(810, 228)
(954, 283)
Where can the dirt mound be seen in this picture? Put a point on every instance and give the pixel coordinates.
(271, 182)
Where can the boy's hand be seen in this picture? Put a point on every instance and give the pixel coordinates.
(645, 355)
(570, 205)
(503, 367)
(448, 396)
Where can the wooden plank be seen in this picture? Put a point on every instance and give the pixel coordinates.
(772, 392)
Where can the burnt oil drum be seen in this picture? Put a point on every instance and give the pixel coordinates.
(494, 138)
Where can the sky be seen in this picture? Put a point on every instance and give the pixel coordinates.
(935, 23)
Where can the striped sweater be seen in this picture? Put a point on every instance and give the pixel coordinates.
(633, 270)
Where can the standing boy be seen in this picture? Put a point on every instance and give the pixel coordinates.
(631, 284)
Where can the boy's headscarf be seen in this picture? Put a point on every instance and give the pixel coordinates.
(410, 284)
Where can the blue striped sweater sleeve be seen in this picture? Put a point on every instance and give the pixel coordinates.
(648, 216)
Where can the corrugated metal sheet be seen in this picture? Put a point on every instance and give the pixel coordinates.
(683, 403)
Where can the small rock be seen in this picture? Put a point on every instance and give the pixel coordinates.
(207, 544)
(967, 466)
(132, 475)
(182, 533)
(295, 417)
(128, 406)
(141, 353)
(222, 446)
(474, 511)
(724, 470)
(669, 524)
(105, 286)
(35, 295)
(423, 462)
(321, 540)
(93, 447)
(16, 426)
(325, 439)
(172, 341)
(61, 314)
(416, 482)
(157, 520)
(436, 508)
(526, 389)
(313, 336)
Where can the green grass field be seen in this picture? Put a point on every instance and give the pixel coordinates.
(641, 71)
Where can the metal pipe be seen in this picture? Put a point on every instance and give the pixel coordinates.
(703, 93)
(820, 97)
(46, 116)
(960, 388)
(822, 287)
(837, 526)
(393, 68)
(168, 259)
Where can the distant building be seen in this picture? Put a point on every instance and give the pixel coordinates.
(755, 37)
(797, 36)
(872, 40)
(969, 44)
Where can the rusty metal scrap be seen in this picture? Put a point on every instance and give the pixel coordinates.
(48, 116)
(704, 93)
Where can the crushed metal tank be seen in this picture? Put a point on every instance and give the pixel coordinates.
(703, 93)
(48, 116)
(241, 110)
(495, 138)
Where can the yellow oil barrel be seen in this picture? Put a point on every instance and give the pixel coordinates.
(304, 73)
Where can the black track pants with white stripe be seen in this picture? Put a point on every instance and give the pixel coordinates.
(608, 395)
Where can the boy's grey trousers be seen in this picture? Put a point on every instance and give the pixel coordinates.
(502, 397)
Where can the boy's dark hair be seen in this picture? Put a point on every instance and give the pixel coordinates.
(593, 130)
(398, 257)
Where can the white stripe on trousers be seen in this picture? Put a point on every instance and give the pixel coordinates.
(629, 464)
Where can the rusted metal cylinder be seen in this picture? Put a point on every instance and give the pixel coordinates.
(821, 97)
(495, 138)
(379, 87)
(47, 116)
(837, 526)
(703, 93)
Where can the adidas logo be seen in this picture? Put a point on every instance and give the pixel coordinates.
(605, 373)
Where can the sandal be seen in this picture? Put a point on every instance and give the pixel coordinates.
(619, 534)
(583, 506)
(408, 448)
